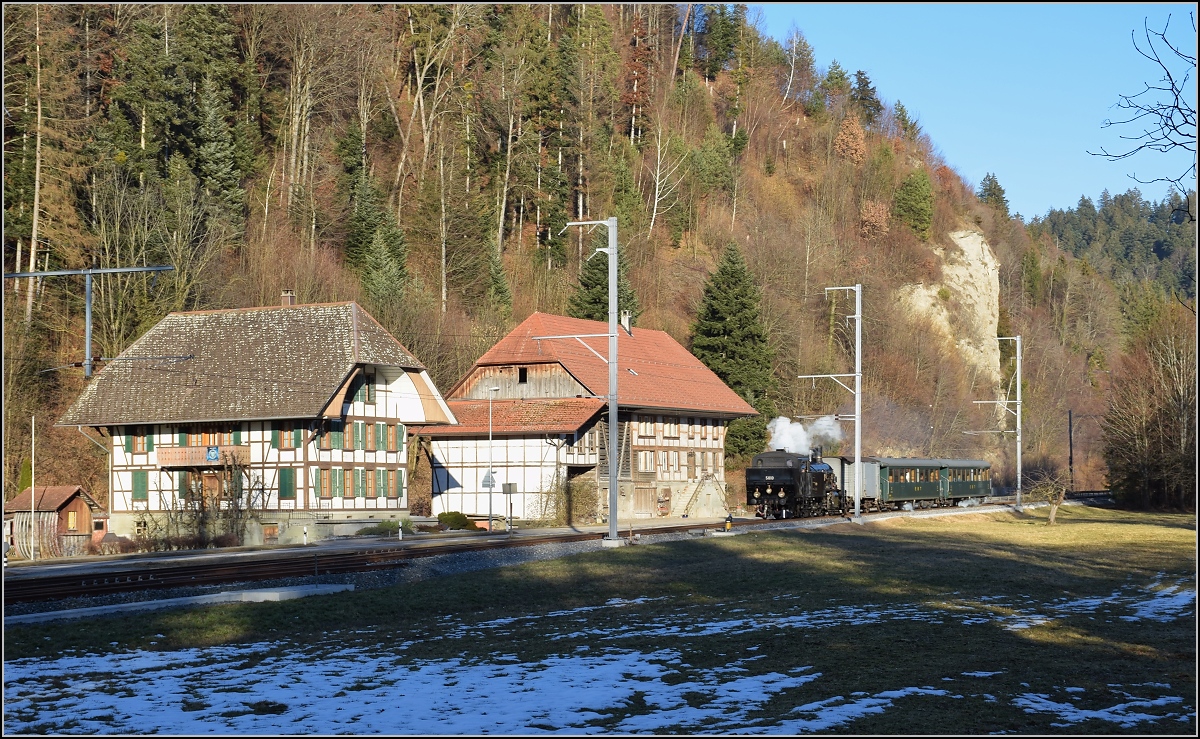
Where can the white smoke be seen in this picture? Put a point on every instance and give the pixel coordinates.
(791, 436)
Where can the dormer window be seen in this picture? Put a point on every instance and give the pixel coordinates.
(522, 375)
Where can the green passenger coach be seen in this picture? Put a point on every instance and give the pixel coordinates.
(922, 483)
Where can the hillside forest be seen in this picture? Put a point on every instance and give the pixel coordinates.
(423, 160)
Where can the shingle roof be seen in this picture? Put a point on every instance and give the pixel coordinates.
(49, 498)
(256, 363)
(533, 416)
(654, 371)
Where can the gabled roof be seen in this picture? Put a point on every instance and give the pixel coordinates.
(533, 416)
(244, 364)
(49, 498)
(653, 370)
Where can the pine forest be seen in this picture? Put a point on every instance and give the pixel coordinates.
(424, 160)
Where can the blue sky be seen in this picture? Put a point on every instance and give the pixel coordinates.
(1020, 90)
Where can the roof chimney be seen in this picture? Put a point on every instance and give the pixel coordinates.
(289, 297)
(625, 316)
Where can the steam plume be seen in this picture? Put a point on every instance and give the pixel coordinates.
(791, 436)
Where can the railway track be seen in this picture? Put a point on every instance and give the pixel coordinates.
(25, 586)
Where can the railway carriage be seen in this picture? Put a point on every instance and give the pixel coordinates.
(782, 484)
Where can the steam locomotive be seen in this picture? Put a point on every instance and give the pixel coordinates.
(783, 484)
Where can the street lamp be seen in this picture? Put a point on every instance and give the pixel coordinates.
(489, 480)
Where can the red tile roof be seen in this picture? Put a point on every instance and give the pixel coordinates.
(49, 498)
(654, 371)
(534, 416)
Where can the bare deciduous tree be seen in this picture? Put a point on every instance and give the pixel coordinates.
(1166, 110)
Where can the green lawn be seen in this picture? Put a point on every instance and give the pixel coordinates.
(964, 624)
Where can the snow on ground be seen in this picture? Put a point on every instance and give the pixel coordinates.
(361, 682)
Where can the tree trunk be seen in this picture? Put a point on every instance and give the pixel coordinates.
(37, 170)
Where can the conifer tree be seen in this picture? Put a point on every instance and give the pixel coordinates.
(730, 339)
(913, 203)
(499, 296)
(215, 158)
(864, 98)
(590, 299)
(992, 193)
(384, 272)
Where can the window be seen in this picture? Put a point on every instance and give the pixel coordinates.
(662, 461)
(139, 528)
(707, 432)
(287, 483)
(71, 520)
(322, 484)
(522, 375)
(283, 436)
(674, 461)
(645, 426)
(671, 427)
(381, 483)
(97, 525)
(370, 389)
(645, 461)
(137, 440)
(141, 485)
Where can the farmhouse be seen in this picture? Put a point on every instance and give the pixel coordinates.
(296, 414)
(65, 517)
(543, 400)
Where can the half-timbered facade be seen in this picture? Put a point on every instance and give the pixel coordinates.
(549, 424)
(298, 412)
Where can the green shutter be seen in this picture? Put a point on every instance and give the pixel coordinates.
(381, 436)
(359, 393)
(237, 436)
(316, 481)
(129, 439)
(380, 483)
(336, 441)
(183, 440)
(297, 437)
(360, 482)
(360, 435)
(399, 483)
(184, 482)
(150, 441)
(287, 484)
(337, 482)
(141, 485)
(401, 436)
(275, 438)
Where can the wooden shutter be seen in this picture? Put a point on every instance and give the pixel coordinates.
(129, 439)
(297, 437)
(360, 482)
(183, 438)
(399, 483)
(141, 485)
(287, 483)
(150, 440)
(184, 484)
(360, 433)
(237, 436)
(316, 481)
(336, 435)
(275, 436)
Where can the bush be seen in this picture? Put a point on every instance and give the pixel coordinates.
(455, 521)
(383, 528)
(226, 540)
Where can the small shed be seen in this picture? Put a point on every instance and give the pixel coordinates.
(67, 520)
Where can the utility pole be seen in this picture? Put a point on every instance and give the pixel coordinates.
(613, 460)
(859, 488)
(88, 359)
(1006, 403)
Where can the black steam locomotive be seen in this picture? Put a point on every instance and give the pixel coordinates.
(783, 484)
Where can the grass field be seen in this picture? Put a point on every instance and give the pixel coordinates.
(989, 623)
